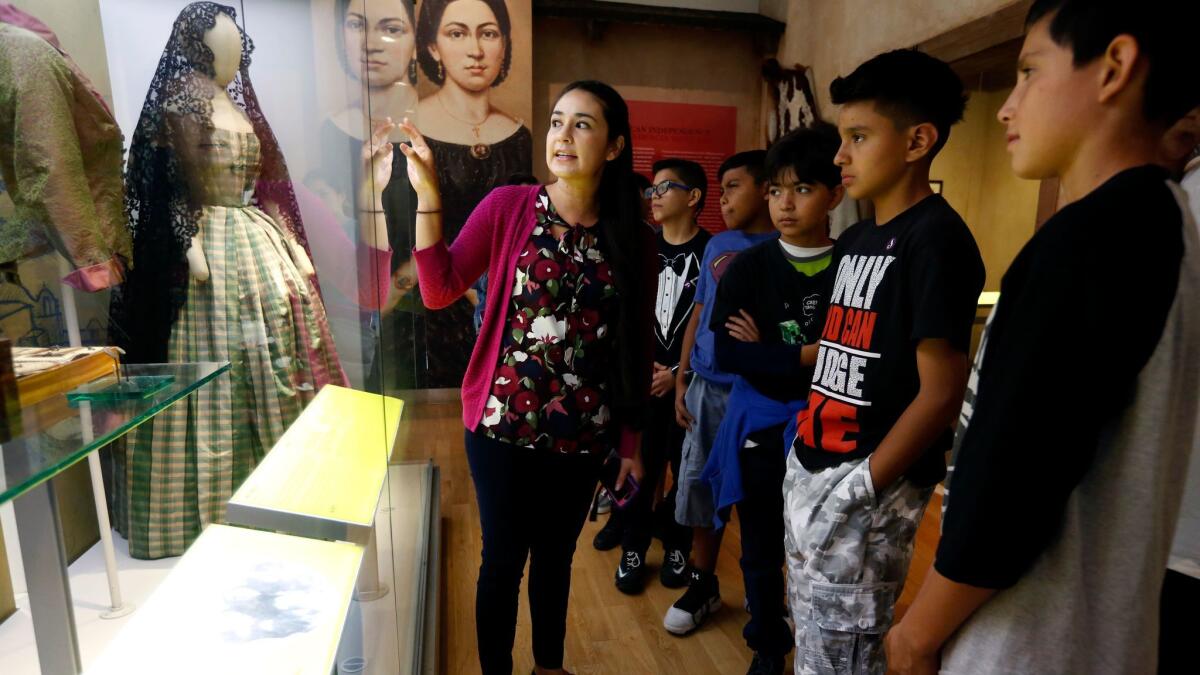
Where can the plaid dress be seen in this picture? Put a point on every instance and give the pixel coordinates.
(257, 310)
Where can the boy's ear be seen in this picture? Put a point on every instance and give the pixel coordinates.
(837, 194)
(1118, 67)
(694, 197)
(921, 139)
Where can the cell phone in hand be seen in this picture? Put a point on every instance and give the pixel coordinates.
(608, 480)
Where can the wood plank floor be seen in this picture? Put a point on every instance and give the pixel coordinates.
(608, 632)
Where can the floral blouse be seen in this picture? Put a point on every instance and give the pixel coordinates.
(549, 390)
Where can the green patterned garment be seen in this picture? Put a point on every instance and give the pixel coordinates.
(258, 311)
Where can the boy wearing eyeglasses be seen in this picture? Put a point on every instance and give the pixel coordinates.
(676, 199)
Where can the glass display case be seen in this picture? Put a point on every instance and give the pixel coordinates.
(226, 186)
(56, 434)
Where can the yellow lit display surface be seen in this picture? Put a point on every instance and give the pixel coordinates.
(989, 298)
(323, 478)
(242, 601)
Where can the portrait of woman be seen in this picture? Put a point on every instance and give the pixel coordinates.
(465, 48)
(372, 202)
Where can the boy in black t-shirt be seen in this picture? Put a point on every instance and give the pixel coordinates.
(1072, 448)
(768, 306)
(676, 199)
(890, 367)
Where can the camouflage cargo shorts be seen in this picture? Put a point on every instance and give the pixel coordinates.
(848, 551)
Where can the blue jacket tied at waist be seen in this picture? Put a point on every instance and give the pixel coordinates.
(748, 411)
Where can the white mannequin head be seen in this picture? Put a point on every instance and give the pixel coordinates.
(225, 41)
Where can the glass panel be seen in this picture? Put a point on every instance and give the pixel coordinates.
(56, 434)
(409, 525)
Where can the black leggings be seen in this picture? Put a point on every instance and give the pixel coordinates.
(532, 504)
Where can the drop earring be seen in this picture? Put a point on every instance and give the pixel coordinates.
(441, 73)
(412, 71)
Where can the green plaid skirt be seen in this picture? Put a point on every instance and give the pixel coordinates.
(174, 475)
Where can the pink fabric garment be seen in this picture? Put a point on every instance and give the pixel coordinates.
(491, 240)
(96, 277)
(13, 16)
(368, 282)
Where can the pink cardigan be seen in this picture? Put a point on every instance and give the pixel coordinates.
(491, 240)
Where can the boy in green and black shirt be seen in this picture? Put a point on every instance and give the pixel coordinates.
(767, 307)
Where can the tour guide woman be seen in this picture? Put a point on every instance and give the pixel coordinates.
(560, 374)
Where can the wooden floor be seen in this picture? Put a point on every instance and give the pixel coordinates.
(607, 632)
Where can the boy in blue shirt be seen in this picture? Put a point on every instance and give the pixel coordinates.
(768, 307)
(700, 405)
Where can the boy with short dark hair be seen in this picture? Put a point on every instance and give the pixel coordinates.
(1181, 585)
(890, 367)
(676, 200)
(1069, 461)
(700, 403)
(767, 308)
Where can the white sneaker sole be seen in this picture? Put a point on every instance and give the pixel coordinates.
(678, 622)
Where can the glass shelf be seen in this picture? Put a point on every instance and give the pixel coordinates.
(54, 434)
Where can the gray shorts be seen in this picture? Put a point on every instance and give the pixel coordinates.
(706, 402)
(848, 551)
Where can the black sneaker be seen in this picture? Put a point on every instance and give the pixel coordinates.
(702, 598)
(631, 573)
(674, 572)
(766, 665)
(609, 536)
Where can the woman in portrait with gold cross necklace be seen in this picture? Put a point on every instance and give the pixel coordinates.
(465, 46)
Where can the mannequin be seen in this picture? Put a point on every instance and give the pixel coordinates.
(221, 273)
(225, 41)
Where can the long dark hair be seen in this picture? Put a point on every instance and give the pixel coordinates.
(624, 241)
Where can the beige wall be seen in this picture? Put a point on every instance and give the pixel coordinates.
(978, 182)
(833, 36)
(648, 62)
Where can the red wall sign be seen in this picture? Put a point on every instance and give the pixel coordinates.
(705, 134)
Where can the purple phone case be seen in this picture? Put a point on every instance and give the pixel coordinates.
(633, 490)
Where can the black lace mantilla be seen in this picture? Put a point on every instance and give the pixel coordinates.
(164, 214)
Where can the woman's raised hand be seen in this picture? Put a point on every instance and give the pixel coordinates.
(422, 172)
(377, 153)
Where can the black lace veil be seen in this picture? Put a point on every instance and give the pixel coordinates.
(164, 213)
